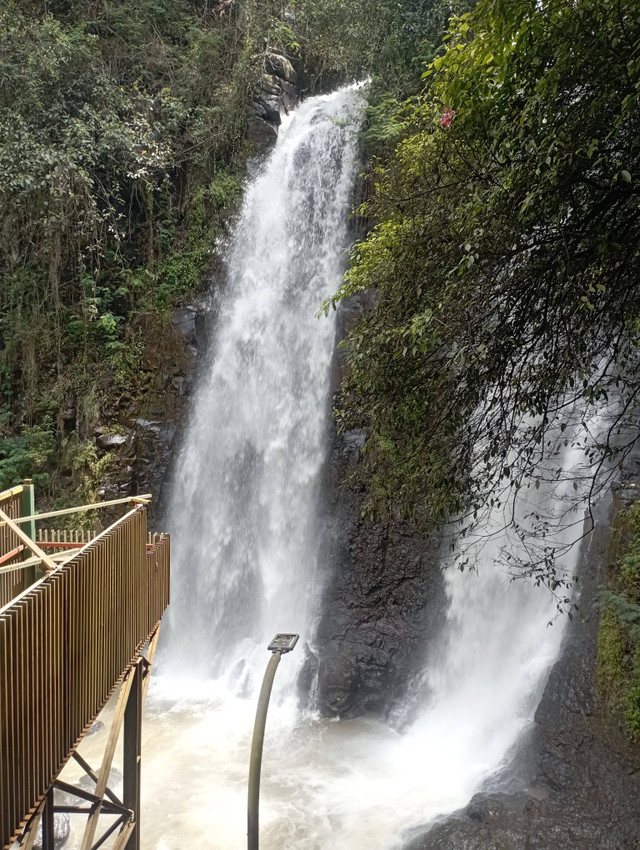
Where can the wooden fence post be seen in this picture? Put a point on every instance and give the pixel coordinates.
(29, 509)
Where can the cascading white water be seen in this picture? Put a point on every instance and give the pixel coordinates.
(246, 565)
(244, 507)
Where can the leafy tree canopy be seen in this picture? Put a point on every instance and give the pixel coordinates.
(121, 150)
(506, 261)
(392, 40)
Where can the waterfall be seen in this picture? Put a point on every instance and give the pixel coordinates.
(244, 506)
(246, 564)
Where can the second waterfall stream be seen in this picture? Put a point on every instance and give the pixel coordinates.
(247, 564)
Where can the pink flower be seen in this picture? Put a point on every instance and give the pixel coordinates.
(447, 117)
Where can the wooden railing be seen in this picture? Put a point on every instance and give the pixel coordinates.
(65, 644)
(50, 538)
(12, 582)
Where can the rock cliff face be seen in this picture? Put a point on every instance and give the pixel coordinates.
(276, 95)
(141, 450)
(576, 780)
(383, 600)
(384, 595)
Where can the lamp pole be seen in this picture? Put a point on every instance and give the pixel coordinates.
(281, 644)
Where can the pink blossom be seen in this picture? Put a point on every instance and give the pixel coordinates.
(447, 117)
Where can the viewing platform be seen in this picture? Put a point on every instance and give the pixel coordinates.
(79, 620)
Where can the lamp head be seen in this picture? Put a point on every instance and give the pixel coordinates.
(283, 643)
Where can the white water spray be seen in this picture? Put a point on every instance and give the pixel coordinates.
(246, 565)
(244, 509)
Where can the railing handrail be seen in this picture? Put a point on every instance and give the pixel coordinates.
(139, 500)
(65, 644)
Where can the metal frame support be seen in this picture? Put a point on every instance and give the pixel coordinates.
(133, 752)
(103, 800)
(48, 826)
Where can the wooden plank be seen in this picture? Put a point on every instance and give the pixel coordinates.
(121, 841)
(115, 825)
(137, 500)
(5, 495)
(11, 554)
(21, 565)
(48, 822)
(31, 544)
(31, 832)
(107, 759)
(151, 654)
(132, 752)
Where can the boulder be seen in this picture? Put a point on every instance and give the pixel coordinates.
(270, 85)
(290, 95)
(271, 105)
(261, 134)
(111, 441)
(258, 110)
(280, 66)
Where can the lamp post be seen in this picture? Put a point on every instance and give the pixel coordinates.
(281, 644)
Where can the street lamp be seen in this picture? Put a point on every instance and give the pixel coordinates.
(281, 644)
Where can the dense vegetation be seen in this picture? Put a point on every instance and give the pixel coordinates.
(504, 210)
(618, 671)
(390, 41)
(121, 151)
(505, 257)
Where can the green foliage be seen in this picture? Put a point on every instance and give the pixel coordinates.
(121, 155)
(618, 664)
(28, 455)
(612, 669)
(505, 258)
(89, 467)
(392, 40)
(632, 702)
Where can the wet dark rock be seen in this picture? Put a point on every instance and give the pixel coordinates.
(290, 95)
(275, 96)
(271, 107)
(261, 134)
(145, 424)
(185, 320)
(280, 66)
(352, 443)
(382, 603)
(270, 85)
(111, 441)
(259, 110)
(180, 384)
